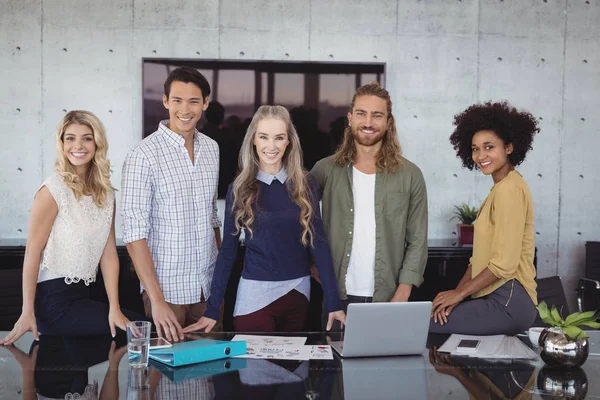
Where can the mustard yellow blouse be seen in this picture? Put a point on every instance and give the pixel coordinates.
(503, 240)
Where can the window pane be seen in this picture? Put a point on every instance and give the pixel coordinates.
(337, 89)
(236, 92)
(264, 82)
(368, 78)
(289, 89)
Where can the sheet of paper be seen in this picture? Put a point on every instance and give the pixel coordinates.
(320, 352)
(270, 352)
(257, 340)
(282, 348)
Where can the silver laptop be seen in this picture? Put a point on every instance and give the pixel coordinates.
(385, 329)
(385, 378)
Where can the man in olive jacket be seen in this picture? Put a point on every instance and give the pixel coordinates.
(374, 206)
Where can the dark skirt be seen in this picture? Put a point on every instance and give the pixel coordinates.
(67, 310)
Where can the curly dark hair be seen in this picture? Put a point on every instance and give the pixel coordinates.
(511, 125)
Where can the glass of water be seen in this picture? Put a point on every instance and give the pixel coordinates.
(138, 343)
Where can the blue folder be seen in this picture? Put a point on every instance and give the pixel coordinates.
(197, 351)
(200, 370)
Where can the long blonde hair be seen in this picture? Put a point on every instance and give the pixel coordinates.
(389, 157)
(245, 185)
(97, 181)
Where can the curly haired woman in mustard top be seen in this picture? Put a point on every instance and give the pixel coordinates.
(494, 138)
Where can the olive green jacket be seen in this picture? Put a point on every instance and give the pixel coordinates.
(400, 219)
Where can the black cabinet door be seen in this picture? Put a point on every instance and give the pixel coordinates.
(441, 273)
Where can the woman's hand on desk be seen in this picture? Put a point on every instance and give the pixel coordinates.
(116, 319)
(25, 323)
(203, 323)
(339, 315)
(444, 303)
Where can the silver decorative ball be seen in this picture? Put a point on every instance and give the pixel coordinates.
(558, 350)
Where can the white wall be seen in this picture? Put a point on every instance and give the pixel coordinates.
(441, 56)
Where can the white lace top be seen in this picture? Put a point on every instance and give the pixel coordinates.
(78, 236)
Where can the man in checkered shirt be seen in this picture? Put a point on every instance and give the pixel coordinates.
(168, 205)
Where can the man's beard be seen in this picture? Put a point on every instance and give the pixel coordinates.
(370, 140)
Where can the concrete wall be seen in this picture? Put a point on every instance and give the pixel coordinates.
(441, 56)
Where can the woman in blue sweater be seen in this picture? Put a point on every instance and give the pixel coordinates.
(275, 202)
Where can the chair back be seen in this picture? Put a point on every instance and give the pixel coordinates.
(551, 291)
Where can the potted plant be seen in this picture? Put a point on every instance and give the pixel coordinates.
(466, 215)
(564, 343)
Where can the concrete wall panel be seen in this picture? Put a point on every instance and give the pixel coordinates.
(20, 113)
(76, 13)
(351, 47)
(176, 14)
(341, 16)
(265, 15)
(583, 19)
(437, 18)
(579, 214)
(236, 43)
(533, 18)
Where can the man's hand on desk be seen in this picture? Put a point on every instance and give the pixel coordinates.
(166, 322)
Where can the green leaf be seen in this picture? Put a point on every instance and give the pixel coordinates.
(545, 314)
(543, 310)
(556, 316)
(591, 324)
(574, 332)
(577, 317)
(465, 214)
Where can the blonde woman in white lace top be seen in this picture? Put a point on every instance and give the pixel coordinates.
(71, 231)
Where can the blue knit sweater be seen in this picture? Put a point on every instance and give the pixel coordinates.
(275, 251)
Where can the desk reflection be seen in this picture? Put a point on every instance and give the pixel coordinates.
(384, 378)
(57, 367)
(96, 368)
(484, 379)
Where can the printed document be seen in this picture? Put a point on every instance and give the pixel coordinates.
(282, 348)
